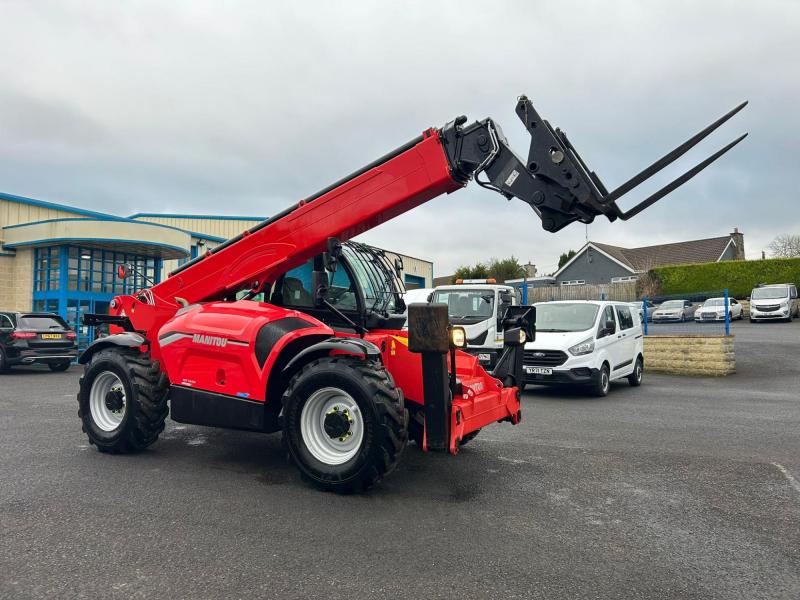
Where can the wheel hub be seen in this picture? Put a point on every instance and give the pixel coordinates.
(115, 400)
(338, 423)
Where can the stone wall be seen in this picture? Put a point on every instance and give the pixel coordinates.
(16, 281)
(690, 355)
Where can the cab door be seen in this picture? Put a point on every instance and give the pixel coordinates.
(626, 342)
(608, 337)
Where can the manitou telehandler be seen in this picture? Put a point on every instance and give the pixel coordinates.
(289, 326)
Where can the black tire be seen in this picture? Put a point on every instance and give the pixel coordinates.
(603, 383)
(635, 378)
(3, 364)
(146, 390)
(383, 418)
(752, 320)
(683, 318)
(59, 366)
(468, 438)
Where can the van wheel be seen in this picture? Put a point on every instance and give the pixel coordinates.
(603, 383)
(635, 378)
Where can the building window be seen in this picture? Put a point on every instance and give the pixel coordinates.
(621, 279)
(90, 270)
(574, 282)
(47, 268)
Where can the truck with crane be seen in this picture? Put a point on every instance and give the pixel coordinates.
(293, 327)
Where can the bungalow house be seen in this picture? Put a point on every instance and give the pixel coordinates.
(597, 263)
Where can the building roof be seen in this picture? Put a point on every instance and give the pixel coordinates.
(188, 216)
(678, 253)
(647, 257)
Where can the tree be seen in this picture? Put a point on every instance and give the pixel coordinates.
(508, 268)
(785, 246)
(479, 271)
(564, 258)
(501, 270)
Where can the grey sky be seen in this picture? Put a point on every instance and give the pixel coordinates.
(245, 107)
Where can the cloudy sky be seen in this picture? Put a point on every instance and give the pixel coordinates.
(245, 107)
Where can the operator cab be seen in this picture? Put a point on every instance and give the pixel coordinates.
(361, 289)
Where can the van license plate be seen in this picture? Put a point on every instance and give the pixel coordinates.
(538, 371)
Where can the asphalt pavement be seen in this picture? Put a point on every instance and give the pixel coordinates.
(683, 488)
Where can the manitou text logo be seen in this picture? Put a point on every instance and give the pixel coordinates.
(209, 340)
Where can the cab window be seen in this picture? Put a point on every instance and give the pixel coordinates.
(625, 318)
(5, 322)
(608, 315)
(296, 287)
(342, 293)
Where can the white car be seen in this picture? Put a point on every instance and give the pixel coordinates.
(774, 302)
(713, 309)
(588, 343)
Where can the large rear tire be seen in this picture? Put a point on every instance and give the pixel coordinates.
(344, 423)
(122, 400)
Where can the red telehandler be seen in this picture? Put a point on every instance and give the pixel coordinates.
(289, 326)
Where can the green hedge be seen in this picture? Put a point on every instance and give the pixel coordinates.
(739, 276)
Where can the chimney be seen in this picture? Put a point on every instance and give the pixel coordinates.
(530, 269)
(738, 239)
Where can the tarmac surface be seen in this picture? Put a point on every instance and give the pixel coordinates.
(683, 488)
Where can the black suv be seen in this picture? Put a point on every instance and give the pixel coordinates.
(27, 338)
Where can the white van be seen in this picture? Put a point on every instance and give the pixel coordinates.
(478, 305)
(588, 343)
(774, 302)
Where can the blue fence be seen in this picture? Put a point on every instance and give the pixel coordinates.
(701, 313)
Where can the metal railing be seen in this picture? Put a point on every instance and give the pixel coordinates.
(699, 313)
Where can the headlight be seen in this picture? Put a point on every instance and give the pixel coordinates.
(522, 336)
(458, 337)
(584, 347)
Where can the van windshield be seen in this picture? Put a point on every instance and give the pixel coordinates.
(770, 293)
(467, 306)
(564, 317)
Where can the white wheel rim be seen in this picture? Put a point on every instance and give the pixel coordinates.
(326, 449)
(605, 380)
(104, 417)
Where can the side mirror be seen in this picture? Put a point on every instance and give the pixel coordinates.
(608, 329)
(319, 283)
(429, 298)
(331, 257)
(124, 270)
(398, 265)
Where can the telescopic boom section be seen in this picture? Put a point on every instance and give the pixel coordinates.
(404, 179)
(554, 181)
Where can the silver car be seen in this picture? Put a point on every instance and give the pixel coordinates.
(674, 310)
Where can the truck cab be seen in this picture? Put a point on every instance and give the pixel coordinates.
(478, 305)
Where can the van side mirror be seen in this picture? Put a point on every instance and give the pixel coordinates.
(398, 266)
(608, 329)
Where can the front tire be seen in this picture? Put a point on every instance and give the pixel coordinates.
(59, 367)
(3, 362)
(122, 400)
(345, 424)
(603, 383)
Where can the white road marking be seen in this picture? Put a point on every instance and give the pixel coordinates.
(792, 481)
(198, 441)
(514, 461)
